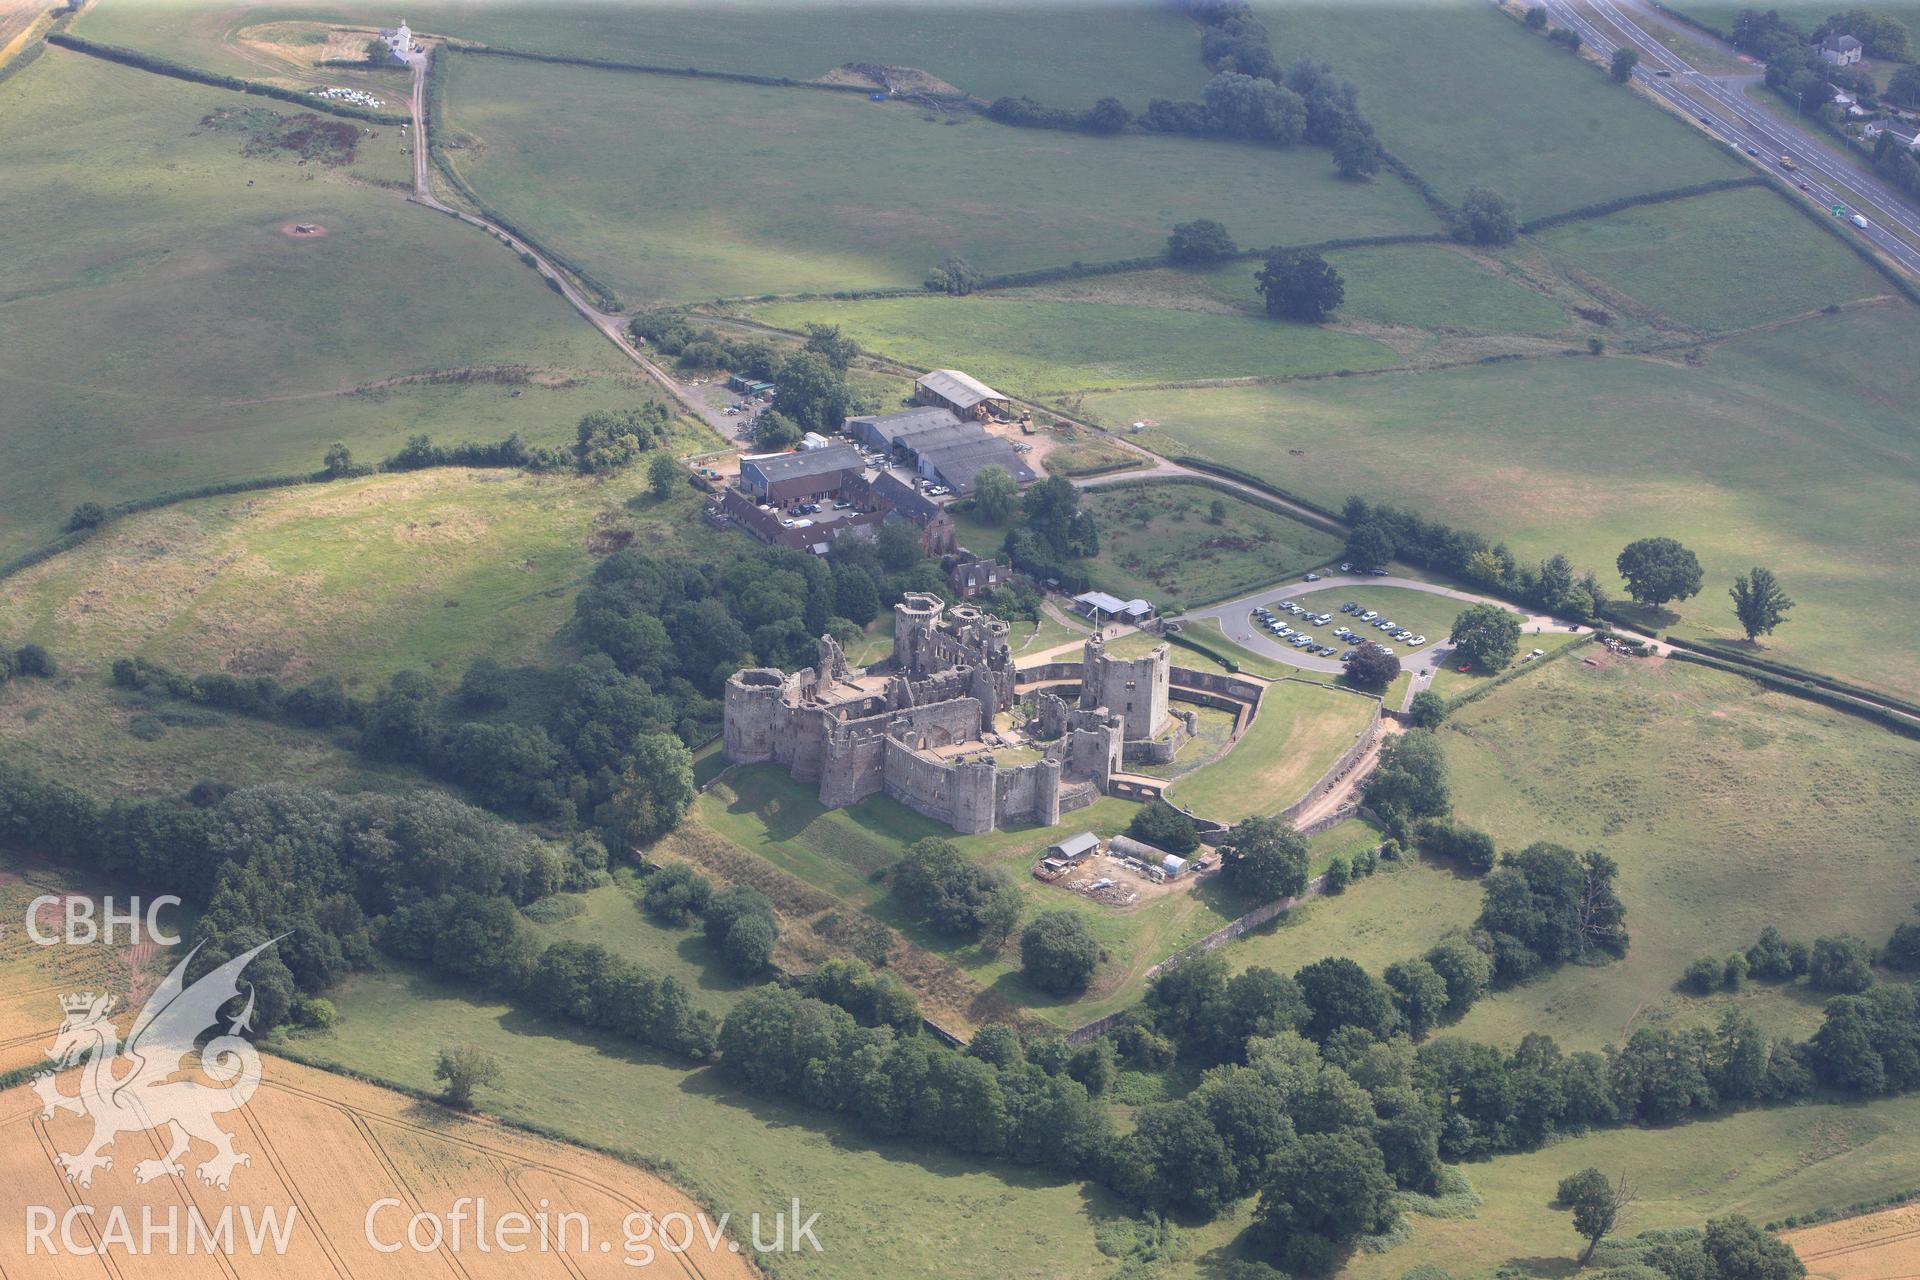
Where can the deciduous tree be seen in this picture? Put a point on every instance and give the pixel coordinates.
(1759, 602)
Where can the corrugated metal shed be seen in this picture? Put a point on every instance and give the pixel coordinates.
(957, 388)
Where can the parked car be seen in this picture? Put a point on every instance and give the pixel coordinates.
(1368, 616)
(1378, 573)
(1313, 577)
(1345, 654)
(1417, 641)
(1349, 607)
(1346, 568)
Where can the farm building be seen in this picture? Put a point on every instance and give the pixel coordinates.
(883, 431)
(964, 394)
(958, 463)
(781, 478)
(1075, 847)
(1088, 603)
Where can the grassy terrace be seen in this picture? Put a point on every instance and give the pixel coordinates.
(1727, 808)
(1300, 729)
(358, 578)
(1044, 347)
(677, 190)
(1786, 448)
(170, 335)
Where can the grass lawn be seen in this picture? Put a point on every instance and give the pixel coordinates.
(1394, 914)
(846, 851)
(1211, 732)
(1715, 263)
(1786, 448)
(360, 578)
(1467, 97)
(1138, 50)
(1727, 807)
(1159, 541)
(611, 916)
(886, 1208)
(1040, 348)
(1300, 729)
(1354, 836)
(682, 190)
(1450, 682)
(170, 335)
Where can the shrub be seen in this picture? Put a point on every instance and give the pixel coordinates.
(1057, 953)
(1704, 975)
(1165, 827)
(676, 894)
(1843, 965)
(88, 515)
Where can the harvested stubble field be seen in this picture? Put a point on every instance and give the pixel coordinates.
(325, 1149)
(1874, 1246)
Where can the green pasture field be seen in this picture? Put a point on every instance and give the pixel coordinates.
(359, 578)
(1427, 286)
(1039, 348)
(1786, 448)
(1468, 98)
(116, 744)
(611, 916)
(1059, 53)
(1764, 1164)
(845, 851)
(1300, 729)
(886, 1208)
(1394, 914)
(1727, 807)
(1719, 262)
(164, 333)
(1158, 541)
(677, 190)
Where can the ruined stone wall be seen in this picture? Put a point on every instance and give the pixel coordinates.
(1028, 794)
(960, 795)
(1135, 689)
(853, 762)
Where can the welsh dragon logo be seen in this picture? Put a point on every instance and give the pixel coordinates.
(133, 1089)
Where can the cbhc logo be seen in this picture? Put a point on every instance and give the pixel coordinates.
(82, 925)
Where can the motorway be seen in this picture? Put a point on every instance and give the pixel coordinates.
(1607, 24)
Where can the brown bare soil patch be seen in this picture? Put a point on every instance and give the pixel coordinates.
(304, 231)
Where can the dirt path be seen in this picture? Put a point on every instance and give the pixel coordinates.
(612, 327)
(1347, 790)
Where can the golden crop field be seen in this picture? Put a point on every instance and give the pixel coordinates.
(1875, 1246)
(337, 1169)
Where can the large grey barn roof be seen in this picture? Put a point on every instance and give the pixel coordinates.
(891, 426)
(959, 388)
(959, 464)
(904, 498)
(808, 462)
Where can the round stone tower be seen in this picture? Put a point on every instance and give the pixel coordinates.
(752, 714)
(915, 619)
